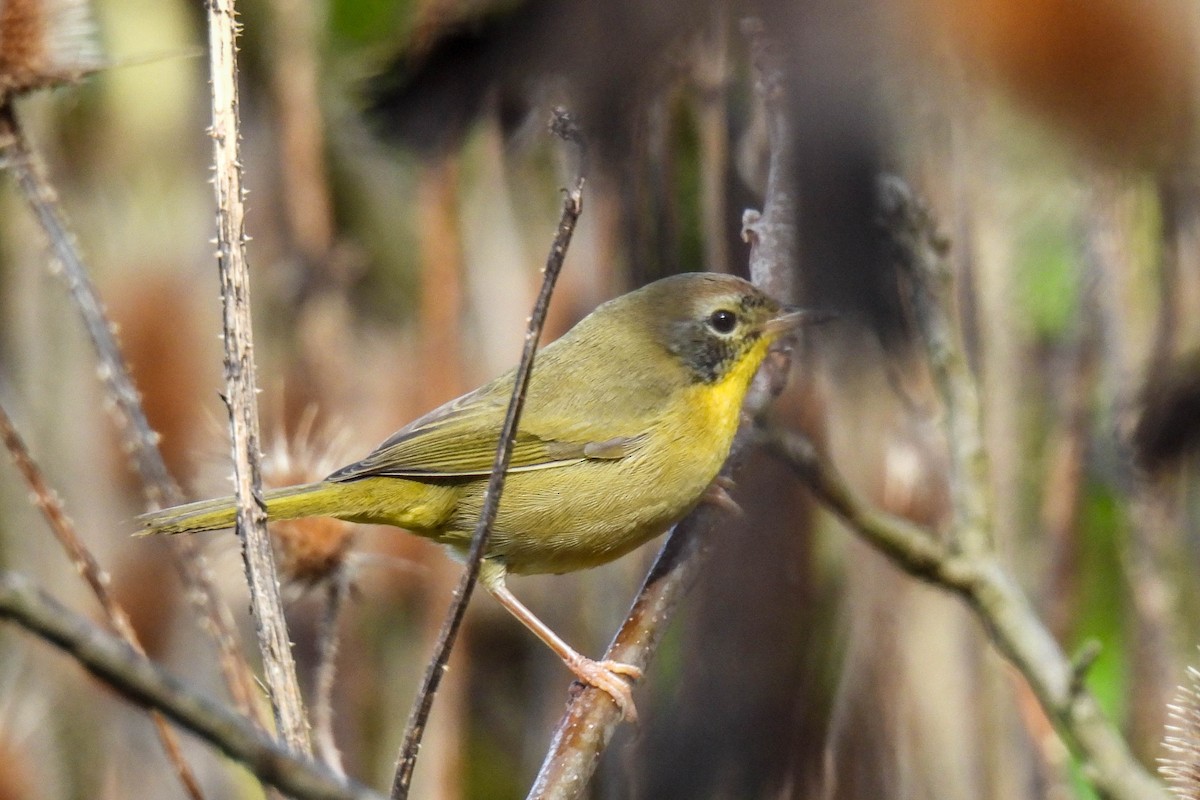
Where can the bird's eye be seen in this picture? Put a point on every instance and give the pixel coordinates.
(722, 321)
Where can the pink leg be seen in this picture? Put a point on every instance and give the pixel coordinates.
(605, 675)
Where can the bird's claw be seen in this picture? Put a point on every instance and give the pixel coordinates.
(621, 668)
(717, 494)
(611, 677)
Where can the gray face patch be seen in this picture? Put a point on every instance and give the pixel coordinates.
(709, 354)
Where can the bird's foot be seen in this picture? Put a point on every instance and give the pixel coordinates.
(717, 494)
(613, 677)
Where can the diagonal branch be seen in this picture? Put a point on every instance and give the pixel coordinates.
(975, 572)
(572, 207)
(96, 578)
(147, 684)
(1002, 608)
(140, 440)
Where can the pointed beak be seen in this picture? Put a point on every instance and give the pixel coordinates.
(791, 317)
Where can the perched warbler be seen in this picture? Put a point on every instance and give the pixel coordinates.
(628, 419)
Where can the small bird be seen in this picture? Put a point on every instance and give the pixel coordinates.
(627, 421)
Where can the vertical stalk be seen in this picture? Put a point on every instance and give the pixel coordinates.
(278, 666)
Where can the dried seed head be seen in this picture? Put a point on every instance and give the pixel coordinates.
(307, 551)
(44, 43)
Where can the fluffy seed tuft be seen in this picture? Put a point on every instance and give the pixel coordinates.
(45, 43)
(1181, 766)
(312, 550)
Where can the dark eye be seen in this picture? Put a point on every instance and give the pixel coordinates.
(722, 321)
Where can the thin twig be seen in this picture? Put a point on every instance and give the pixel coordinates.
(1002, 608)
(571, 208)
(711, 76)
(279, 668)
(30, 174)
(590, 721)
(147, 684)
(591, 717)
(921, 252)
(141, 441)
(95, 577)
(337, 589)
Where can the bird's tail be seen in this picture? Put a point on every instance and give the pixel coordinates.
(292, 502)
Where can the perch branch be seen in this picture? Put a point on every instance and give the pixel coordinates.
(141, 442)
(96, 578)
(145, 683)
(592, 717)
(279, 668)
(572, 206)
(1002, 608)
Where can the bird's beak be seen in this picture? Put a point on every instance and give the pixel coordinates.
(791, 317)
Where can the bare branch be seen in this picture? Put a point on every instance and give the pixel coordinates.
(572, 207)
(147, 684)
(974, 571)
(337, 589)
(95, 577)
(279, 668)
(1003, 609)
(921, 251)
(591, 717)
(140, 440)
(18, 157)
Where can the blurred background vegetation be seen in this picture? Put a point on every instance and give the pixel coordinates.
(395, 255)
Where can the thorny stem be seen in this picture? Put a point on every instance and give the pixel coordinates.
(279, 668)
(336, 591)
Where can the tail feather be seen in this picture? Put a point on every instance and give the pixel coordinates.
(291, 502)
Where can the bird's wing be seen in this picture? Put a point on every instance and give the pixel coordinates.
(459, 440)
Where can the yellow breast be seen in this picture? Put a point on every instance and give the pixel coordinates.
(717, 407)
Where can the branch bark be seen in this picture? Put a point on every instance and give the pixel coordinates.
(1002, 608)
(140, 440)
(96, 578)
(973, 569)
(921, 252)
(279, 668)
(148, 685)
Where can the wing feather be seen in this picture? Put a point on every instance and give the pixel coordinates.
(459, 440)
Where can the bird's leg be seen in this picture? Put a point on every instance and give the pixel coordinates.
(605, 675)
(717, 494)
